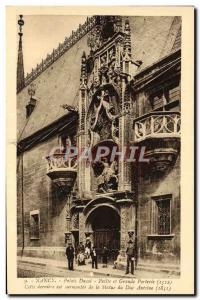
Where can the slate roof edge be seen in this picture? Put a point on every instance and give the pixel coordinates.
(157, 63)
(68, 120)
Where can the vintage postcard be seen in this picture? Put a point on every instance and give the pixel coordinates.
(100, 150)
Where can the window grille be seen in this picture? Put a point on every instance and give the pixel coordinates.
(161, 215)
(34, 225)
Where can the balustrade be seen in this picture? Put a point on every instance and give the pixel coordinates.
(62, 171)
(61, 161)
(157, 125)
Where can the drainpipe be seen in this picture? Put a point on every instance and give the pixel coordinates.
(137, 173)
(136, 233)
(22, 190)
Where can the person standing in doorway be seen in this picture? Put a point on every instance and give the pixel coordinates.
(81, 248)
(81, 254)
(105, 257)
(94, 258)
(130, 252)
(88, 246)
(70, 256)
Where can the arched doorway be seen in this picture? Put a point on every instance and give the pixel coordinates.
(104, 222)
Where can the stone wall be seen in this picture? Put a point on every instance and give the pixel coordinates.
(40, 194)
(152, 37)
(159, 248)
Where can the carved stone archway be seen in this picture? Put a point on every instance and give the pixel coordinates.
(103, 222)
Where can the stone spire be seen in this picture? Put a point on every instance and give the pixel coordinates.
(20, 62)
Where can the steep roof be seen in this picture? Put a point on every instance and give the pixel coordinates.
(153, 38)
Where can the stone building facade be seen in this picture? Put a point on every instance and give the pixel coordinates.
(115, 82)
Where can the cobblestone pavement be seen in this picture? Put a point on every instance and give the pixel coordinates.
(28, 269)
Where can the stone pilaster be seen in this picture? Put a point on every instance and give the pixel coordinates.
(68, 220)
(82, 134)
(124, 144)
(68, 215)
(125, 118)
(82, 236)
(127, 215)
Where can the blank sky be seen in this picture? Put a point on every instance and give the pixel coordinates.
(43, 33)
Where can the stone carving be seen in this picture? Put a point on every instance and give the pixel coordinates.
(126, 215)
(31, 90)
(107, 181)
(130, 233)
(123, 214)
(104, 83)
(127, 41)
(94, 38)
(103, 118)
(68, 214)
(61, 160)
(61, 168)
(75, 220)
(158, 124)
(109, 69)
(105, 28)
(81, 226)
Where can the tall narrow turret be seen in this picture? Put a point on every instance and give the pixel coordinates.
(20, 62)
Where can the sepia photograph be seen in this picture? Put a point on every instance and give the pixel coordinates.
(98, 150)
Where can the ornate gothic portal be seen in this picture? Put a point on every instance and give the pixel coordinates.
(104, 121)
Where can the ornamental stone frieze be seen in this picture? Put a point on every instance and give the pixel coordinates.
(104, 29)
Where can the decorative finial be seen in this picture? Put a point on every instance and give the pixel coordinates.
(127, 25)
(127, 40)
(31, 90)
(21, 24)
(20, 62)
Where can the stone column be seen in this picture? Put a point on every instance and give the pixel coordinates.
(127, 217)
(68, 220)
(124, 143)
(83, 170)
(125, 119)
(81, 227)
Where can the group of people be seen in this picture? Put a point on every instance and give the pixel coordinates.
(88, 251)
(84, 252)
